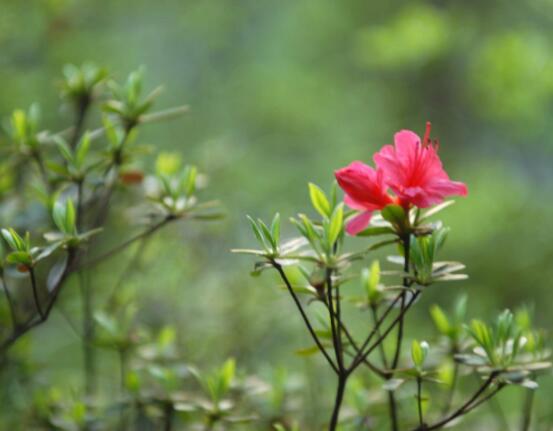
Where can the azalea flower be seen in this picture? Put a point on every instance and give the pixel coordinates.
(411, 169)
(365, 191)
(414, 171)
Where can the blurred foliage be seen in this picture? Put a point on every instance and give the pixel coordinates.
(285, 92)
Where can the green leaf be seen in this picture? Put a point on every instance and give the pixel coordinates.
(336, 224)
(64, 149)
(461, 308)
(275, 228)
(395, 214)
(168, 163)
(228, 371)
(82, 149)
(267, 234)
(376, 230)
(370, 279)
(308, 351)
(19, 258)
(189, 182)
(19, 123)
(419, 351)
(440, 320)
(319, 200)
(13, 239)
(482, 334)
(70, 217)
(257, 232)
(310, 232)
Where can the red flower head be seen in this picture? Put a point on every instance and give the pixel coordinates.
(414, 171)
(365, 191)
(411, 169)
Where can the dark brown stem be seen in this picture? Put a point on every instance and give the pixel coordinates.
(381, 373)
(284, 278)
(385, 333)
(34, 321)
(373, 332)
(342, 380)
(392, 411)
(35, 293)
(334, 319)
(82, 106)
(406, 249)
(168, 416)
(466, 407)
(392, 401)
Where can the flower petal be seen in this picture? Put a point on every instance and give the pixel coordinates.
(414, 171)
(364, 186)
(358, 223)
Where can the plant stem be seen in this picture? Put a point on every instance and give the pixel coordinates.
(381, 373)
(385, 333)
(33, 321)
(168, 416)
(527, 412)
(377, 326)
(35, 292)
(336, 333)
(406, 249)
(284, 278)
(465, 408)
(342, 380)
(82, 109)
(96, 260)
(419, 401)
(391, 397)
(392, 408)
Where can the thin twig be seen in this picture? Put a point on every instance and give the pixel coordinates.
(465, 408)
(35, 292)
(336, 337)
(117, 249)
(284, 278)
(375, 329)
(385, 333)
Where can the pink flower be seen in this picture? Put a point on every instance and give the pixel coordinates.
(365, 191)
(410, 168)
(414, 171)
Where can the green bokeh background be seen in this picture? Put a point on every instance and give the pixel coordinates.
(282, 93)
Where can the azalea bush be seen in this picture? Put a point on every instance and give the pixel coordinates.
(395, 206)
(73, 201)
